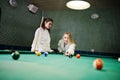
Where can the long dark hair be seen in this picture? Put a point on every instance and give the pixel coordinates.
(46, 20)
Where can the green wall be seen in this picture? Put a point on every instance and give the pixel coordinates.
(18, 25)
(101, 34)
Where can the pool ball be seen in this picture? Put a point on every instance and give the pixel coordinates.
(77, 56)
(45, 54)
(38, 53)
(15, 55)
(119, 59)
(98, 64)
(70, 56)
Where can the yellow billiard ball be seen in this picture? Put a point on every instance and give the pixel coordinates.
(38, 53)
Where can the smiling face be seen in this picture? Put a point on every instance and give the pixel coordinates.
(66, 38)
(48, 24)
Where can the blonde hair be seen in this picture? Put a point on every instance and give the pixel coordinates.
(70, 37)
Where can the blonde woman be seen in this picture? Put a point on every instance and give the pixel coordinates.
(66, 45)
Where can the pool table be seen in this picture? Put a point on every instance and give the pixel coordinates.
(55, 67)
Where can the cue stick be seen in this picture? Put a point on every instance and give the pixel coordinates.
(38, 32)
(41, 21)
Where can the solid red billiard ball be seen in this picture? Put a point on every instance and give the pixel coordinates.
(98, 64)
(77, 55)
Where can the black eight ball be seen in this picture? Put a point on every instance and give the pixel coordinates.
(15, 55)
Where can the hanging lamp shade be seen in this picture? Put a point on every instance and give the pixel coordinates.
(78, 4)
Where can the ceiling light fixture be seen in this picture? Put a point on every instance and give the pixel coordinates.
(78, 4)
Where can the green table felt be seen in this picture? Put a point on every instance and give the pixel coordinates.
(56, 67)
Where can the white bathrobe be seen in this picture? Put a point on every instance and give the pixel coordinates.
(41, 41)
(67, 48)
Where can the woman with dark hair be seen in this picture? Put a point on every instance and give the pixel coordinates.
(41, 41)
